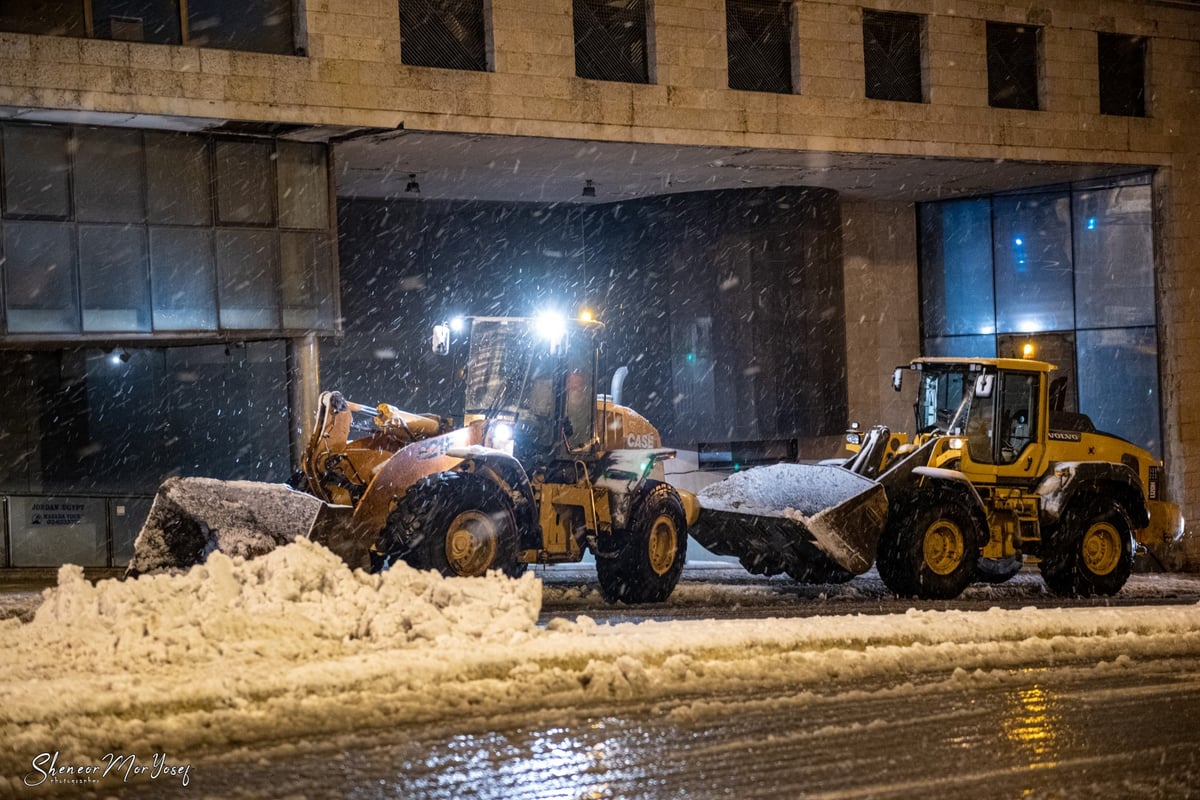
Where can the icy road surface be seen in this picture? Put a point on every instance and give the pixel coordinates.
(289, 675)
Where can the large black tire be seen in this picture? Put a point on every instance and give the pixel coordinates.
(930, 552)
(650, 551)
(997, 570)
(456, 523)
(820, 573)
(1091, 551)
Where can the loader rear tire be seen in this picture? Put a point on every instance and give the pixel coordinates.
(930, 552)
(456, 523)
(650, 552)
(1091, 551)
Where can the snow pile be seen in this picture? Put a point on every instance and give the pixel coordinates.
(803, 489)
(294, 603)
(104, 664)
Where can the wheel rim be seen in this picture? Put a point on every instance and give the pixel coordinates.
(943, 547)
(471, 543)
(1101, 548)
(663, 545)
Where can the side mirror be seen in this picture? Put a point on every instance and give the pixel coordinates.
(441, 339)
(898, 378)
(984, 384)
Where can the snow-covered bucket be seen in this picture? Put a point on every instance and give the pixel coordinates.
(794, 518)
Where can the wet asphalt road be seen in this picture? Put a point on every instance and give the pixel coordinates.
(1073, 732)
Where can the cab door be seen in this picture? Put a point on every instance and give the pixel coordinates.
(1003, 429)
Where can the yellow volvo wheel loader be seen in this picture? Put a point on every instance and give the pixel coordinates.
(995, 474)
(537, 468)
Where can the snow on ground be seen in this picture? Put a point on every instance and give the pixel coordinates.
(294, 644)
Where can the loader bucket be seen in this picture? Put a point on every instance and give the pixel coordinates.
(788, 517)
(192, 517)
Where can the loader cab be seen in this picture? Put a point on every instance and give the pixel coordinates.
(531, 379)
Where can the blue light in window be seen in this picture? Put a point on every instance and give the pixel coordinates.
(690, 357)
(1091, 223)
(1019, 252)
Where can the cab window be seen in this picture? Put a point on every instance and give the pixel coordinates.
(1000, 427)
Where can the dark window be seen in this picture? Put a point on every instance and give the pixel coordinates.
(263, 26)
(1122, 62)
(113, 281)
(956, 268)
(155, 21)
(1012, 60)
(39, 278)
(43, 17)
(109, 182)
(1114, 257)
(308, 291)
(443, 33)
(892, 56)
(610, 40)
(248, 274)
(1032, 253)
(36, 172)
(760, 45)
(303, 186)
(178, 182)
(244, 182)
(184, 279)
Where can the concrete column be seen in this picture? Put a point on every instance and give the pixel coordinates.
(879, 245)
(304, 389)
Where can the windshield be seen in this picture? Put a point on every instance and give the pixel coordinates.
(515, 371)
(501, 365)
(940, 396)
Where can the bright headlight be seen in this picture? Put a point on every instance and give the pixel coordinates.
(501, 436)
(551, 326)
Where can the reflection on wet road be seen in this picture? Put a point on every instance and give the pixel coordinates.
(1116, 730)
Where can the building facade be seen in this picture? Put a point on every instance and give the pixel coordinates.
(210, 210)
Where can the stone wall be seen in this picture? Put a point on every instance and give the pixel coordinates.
(352, 75)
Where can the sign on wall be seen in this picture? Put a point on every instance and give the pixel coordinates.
(49, 531)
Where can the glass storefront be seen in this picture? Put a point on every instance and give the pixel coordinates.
(1070, 271)
(149, 282)
(108, 231)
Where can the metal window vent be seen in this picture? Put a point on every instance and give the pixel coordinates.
(448, 34)
(760, 45)
(1012, 60)
(892, 56)
(610, 40)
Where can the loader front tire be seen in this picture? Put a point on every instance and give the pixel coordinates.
(930, 552)
(1091, 551)
(649, 553)
(458, 524)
